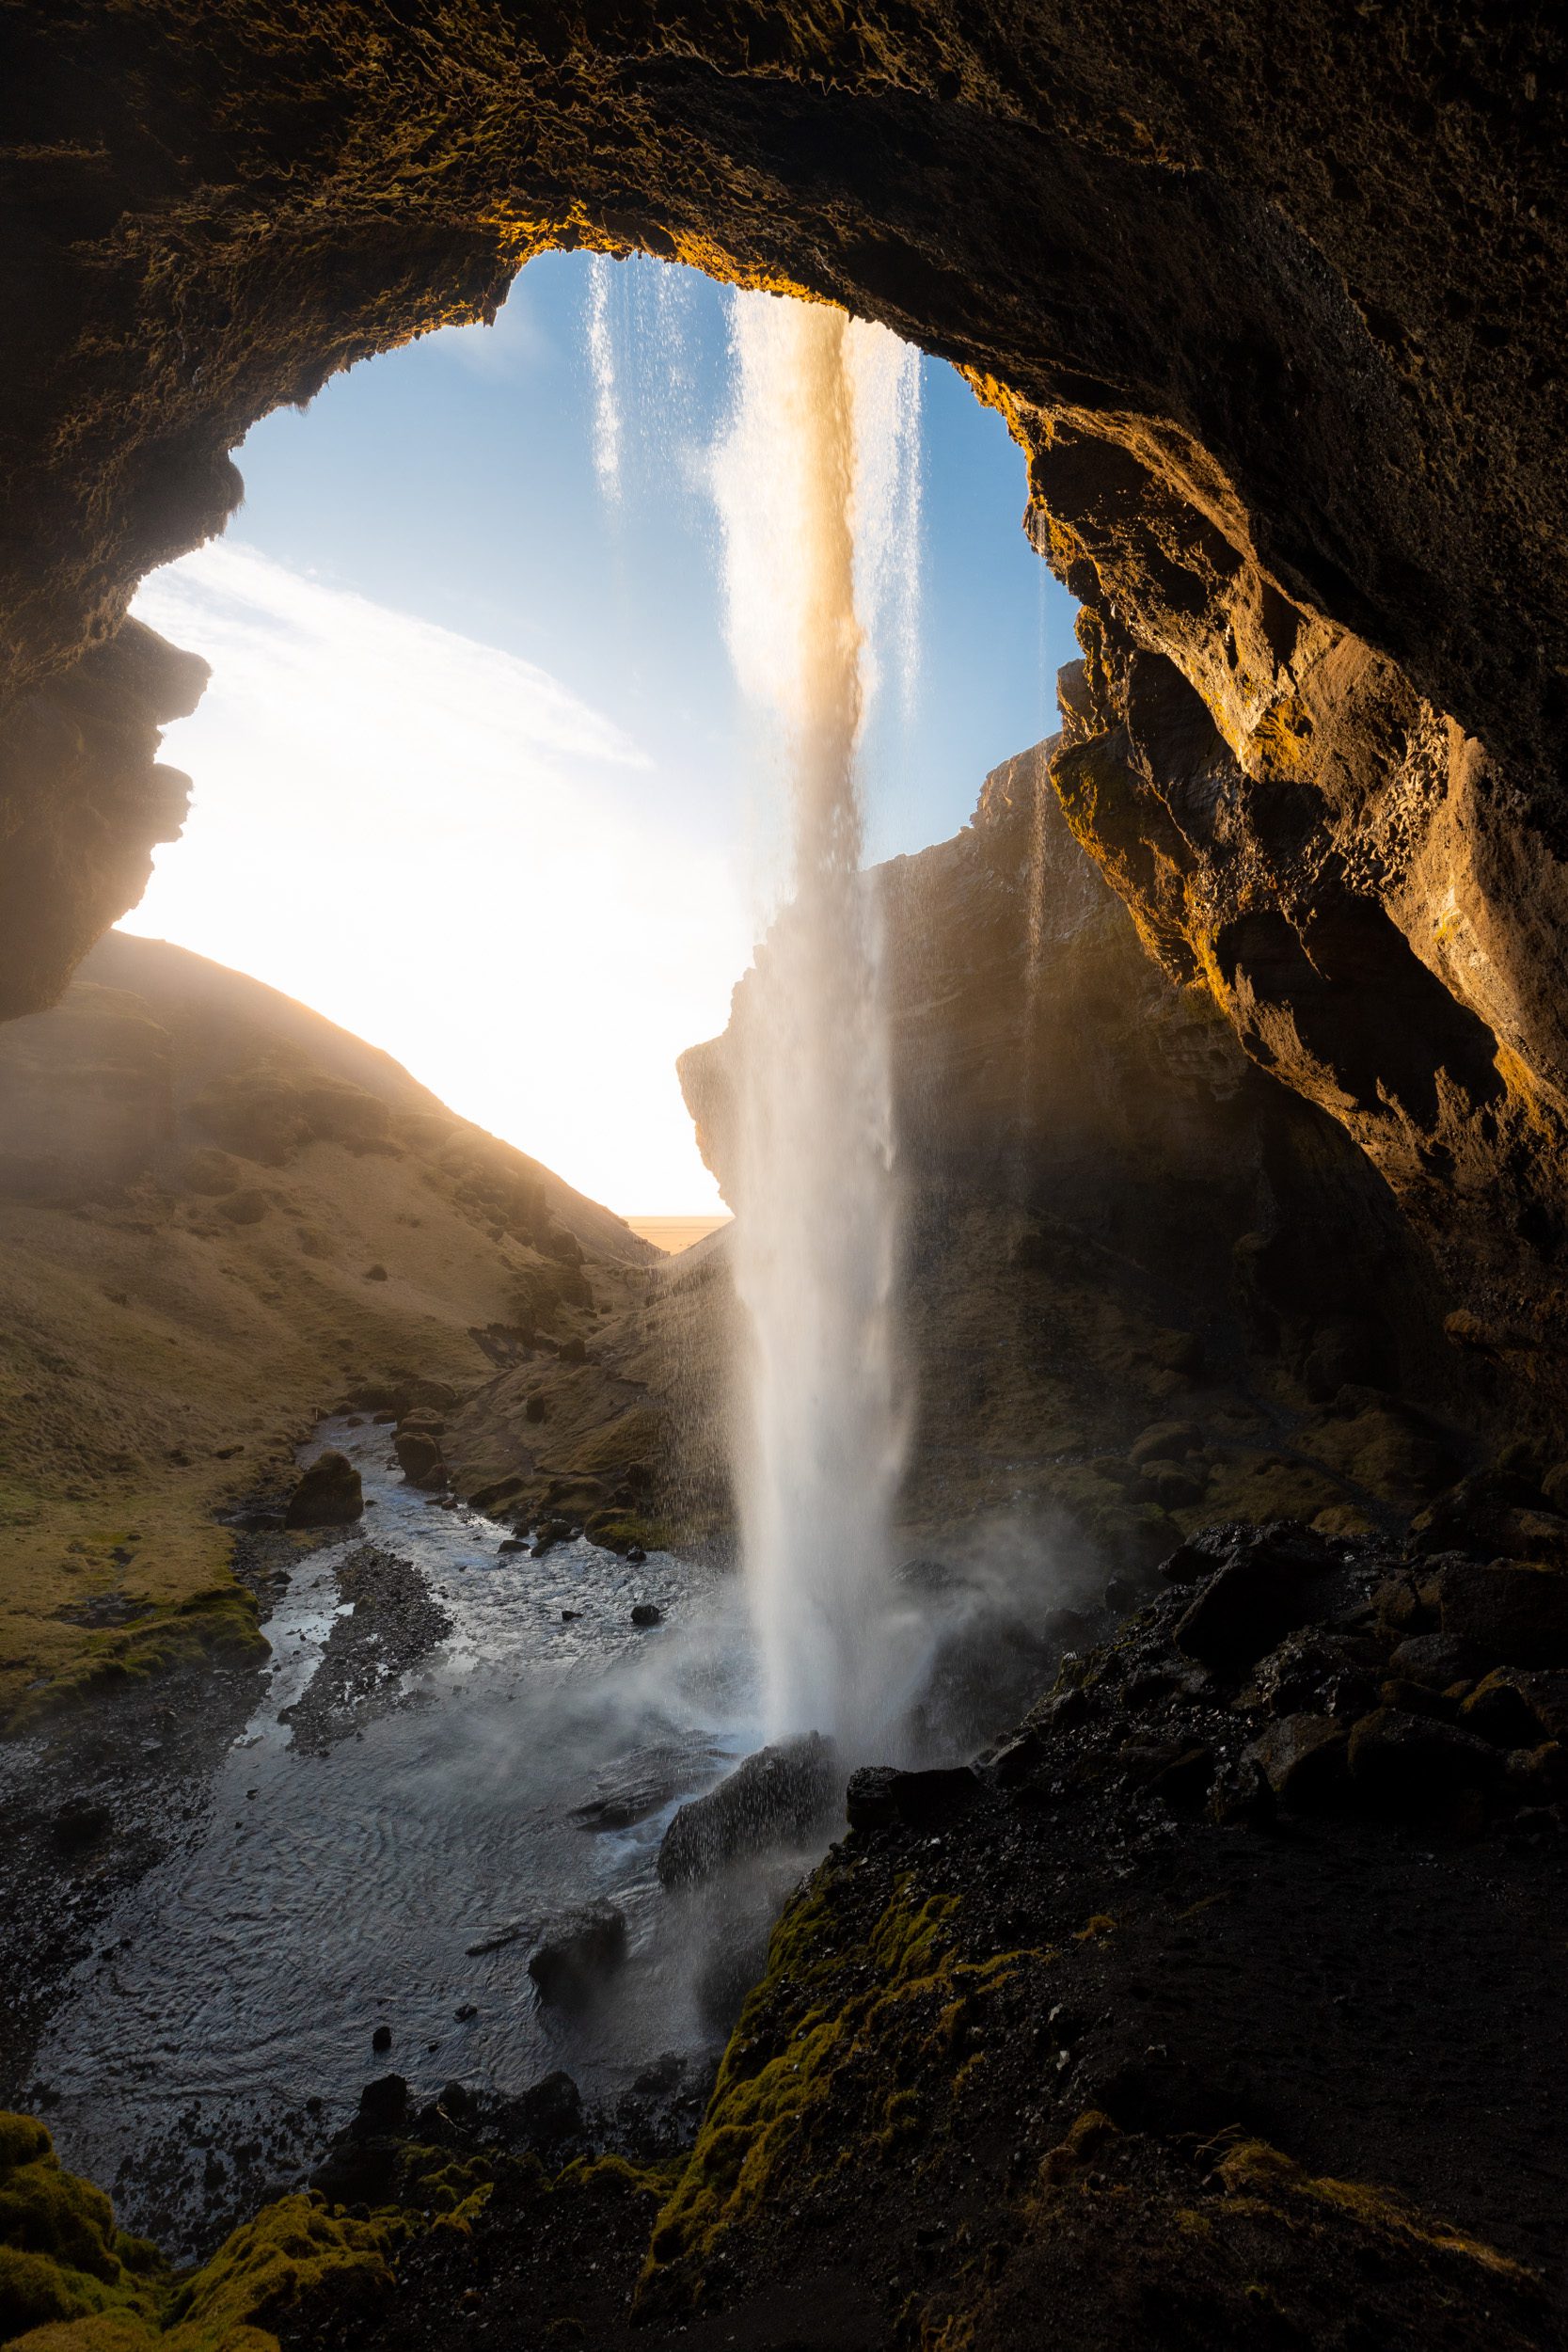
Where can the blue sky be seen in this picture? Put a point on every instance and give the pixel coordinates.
(501, 703)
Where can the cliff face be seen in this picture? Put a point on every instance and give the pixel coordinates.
(1273, 307)
(1146, 1286)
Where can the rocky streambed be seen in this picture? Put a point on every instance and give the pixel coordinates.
(457, 1749)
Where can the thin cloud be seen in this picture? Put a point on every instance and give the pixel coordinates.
(268, 623)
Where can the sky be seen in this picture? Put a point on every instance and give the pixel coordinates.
(473, 777)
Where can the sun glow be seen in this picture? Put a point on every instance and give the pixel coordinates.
(442, 848)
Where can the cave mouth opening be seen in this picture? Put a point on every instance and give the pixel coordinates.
(471, 773)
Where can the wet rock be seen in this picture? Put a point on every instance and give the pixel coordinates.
(1514, 1615)
(1413, 1766)
(1248, 1606)
(1303, 1759)
(1515, 1708)
(1240, 1795)
(1495, 1513)
(734, 1960)
(550, 2110)
(420, 1458)
(381, 2040)
(1166, 1442)
(1320, 1672)
(643, 1783)
(644, 1613)
(384, 2105)
(778, 1797)
(328, 1494)
(879, 1796)
(1434, 1659)
(497, 1942)
(80, 1824)
(580, 1955)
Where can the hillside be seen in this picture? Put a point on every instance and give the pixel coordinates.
(219, 1214)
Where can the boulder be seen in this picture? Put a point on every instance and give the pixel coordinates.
(1412, 1765)
(1514, 1615)
(1313, 1672)
(878, 1796)
(1435, 1661)
(1500, 1512)
(1303, 1759)
(1517, 1709)
(1240, 1613)
(578, 1955)
(1166, 1442)
(244, 1208)
(383, 2106)
(328, 1494)
(646, 1613)
(550, 2110)
(420, 1457)
(778, 1797)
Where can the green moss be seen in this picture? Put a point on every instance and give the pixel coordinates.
(216, 1625)
(61, 2257)
(880, 2008)
(294, 2249)
(70, 2281)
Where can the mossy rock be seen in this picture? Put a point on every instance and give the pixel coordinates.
(1130, 2240)
(217, 1624)
(72, 2281)
(61, 2257)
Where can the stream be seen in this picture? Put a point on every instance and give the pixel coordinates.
(221, 2032)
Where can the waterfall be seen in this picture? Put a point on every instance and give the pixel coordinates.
(601, 362)
(815, 482)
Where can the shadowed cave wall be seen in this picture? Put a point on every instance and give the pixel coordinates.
(1270, 303)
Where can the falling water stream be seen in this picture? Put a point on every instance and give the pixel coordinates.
(808, 483)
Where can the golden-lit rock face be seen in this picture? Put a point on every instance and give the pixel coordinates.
(1271, 300)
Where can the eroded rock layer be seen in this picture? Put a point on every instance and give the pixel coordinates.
(1272, 306)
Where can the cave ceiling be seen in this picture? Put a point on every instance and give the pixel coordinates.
(1271, 300)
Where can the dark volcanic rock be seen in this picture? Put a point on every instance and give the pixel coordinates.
(580, 1955)
(1413, 1765)
(877, 1795)
(1515, 1615)
(327, 1495)
(1302, 1757)
(395, 1624)
(419, 1453)
(551, 2109)
(776, 1798)
(1249, 1603)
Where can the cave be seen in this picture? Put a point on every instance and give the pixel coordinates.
(1271, 310)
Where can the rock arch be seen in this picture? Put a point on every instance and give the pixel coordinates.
(1270, 301)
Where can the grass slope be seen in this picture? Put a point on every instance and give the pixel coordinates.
(219, 1215)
